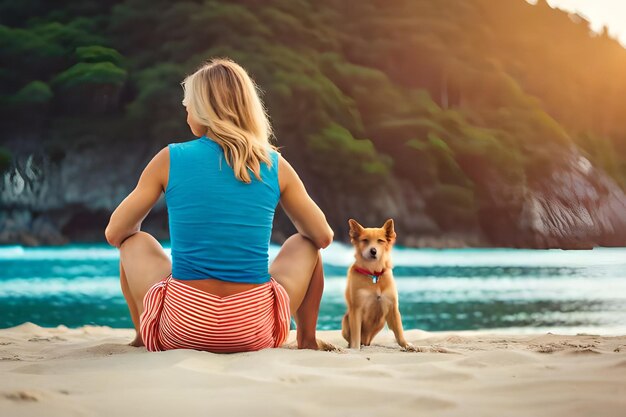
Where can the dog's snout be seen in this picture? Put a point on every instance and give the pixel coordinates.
(373, 251)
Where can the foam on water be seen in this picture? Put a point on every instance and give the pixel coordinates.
(340, 254)
(439, 289)
(35, 287)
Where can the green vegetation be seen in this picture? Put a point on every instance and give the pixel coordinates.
(33, 92)
(349, 162)
(84, 75)
(5, 159)
(432, 92)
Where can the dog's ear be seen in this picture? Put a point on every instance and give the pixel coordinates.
(355, 229)
(390, 233)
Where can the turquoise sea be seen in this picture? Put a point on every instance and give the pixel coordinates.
(452, 289)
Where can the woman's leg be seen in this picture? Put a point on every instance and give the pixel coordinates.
(143, 263)
(132, 308)
(298, 268)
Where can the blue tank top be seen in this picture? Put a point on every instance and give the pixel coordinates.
(220, 227)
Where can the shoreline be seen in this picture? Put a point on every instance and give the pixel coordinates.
(617, 331)
(90, 370)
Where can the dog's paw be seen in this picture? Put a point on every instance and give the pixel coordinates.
(328, 347)
(409, 347)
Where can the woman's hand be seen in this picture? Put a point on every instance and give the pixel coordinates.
(127, 217)
(305, 215)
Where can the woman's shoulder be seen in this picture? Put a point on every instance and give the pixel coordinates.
(271, 166)
(189, 148)
(286, 173)
(184, 144)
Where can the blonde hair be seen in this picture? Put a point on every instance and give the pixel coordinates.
(222, 96)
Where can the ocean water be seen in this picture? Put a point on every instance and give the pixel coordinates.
(453, 289)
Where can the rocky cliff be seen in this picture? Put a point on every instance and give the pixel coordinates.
(48, 201)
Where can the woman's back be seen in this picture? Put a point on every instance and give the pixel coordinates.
(220, 227)
(221, 192)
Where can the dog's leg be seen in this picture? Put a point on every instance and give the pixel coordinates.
(369, 333)
(345, 327)
(394, 321)
(355, 320)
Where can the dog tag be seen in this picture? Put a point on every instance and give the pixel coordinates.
(374, 279)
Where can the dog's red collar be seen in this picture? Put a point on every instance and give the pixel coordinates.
(375, 276)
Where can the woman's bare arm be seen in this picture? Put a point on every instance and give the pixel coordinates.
(306, 216)
(127, 217)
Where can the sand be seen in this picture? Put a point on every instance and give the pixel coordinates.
(90, 371)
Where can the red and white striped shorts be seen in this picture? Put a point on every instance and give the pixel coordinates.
(178, 316)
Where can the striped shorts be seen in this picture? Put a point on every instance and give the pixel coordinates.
(178, 316)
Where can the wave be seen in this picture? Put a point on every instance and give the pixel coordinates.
(342, 255)
(411, 289)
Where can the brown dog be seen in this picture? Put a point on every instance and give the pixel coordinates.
(371, 292)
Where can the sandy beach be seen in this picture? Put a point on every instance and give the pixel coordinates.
(90, 371)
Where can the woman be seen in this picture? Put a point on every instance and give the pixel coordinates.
(218, 293)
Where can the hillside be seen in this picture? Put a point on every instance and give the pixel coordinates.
(470, 122)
